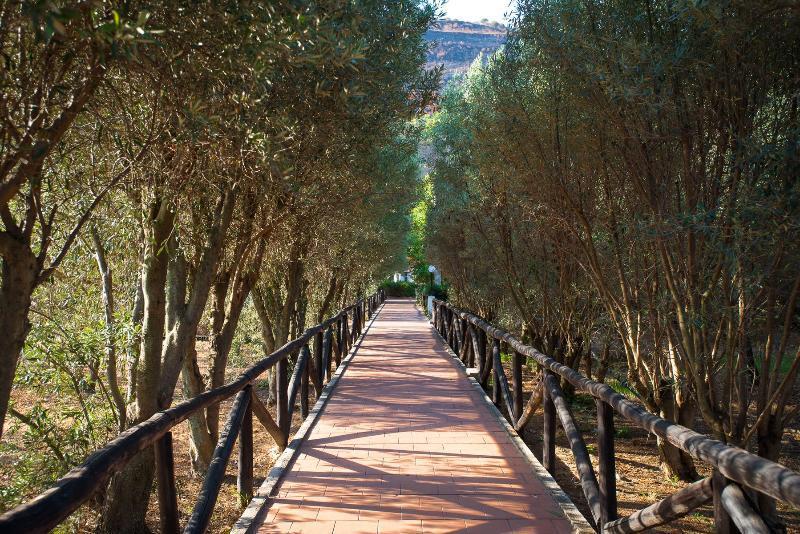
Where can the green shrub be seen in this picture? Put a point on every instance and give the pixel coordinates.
(622, 388)
(438, 291)
(399, 289)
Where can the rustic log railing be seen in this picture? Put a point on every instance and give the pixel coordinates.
(737, 474)
(50, 508)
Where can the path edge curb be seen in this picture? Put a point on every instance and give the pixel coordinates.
(571, 512)
(252, 515)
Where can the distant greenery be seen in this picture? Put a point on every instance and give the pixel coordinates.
(438, 291)
(399, 289)
(416, 255)
(417, 261)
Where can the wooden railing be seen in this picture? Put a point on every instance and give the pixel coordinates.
(332, 339)
(736, 472)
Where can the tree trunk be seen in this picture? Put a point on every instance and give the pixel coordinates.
(129, 491)
(769, 447)
(20, 269)
(186, 314)
(221, 342)
(675, 462)
(201, 445)
(272, 387)
(226, 313)
(605, 358)
(125, 507)
(267, 342)
(135, 345)
(275, 316)
(107, 288)
(178, 354)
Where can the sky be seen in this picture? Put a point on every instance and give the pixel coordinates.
(475, 10)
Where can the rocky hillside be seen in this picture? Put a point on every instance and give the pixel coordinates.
(455, 44)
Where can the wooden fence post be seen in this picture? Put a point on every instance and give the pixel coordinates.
(346, 335)
(325, 368)
(516, 384)
(450, 328)
(165, 480)
(343, 341)
(477, 353)
(456, 334)
(320, 378)
(304, 382)
(339, 342)
(473, 344)
(549, 433)
(486, 365)
(244, 478)
(454, 327)
(462, 338)
(466, 344)
(282, 400)
(606, 466)
(496, 359)
(722, 520)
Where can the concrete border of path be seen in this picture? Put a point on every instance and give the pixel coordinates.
(579, 522)
(252, 514)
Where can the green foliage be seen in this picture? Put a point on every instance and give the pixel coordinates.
(416, 237)
(398, 289)
(622, 388)
(438, 291)
(247, 346)
(622, 432)
(70, 414)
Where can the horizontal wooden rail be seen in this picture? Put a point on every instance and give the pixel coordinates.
(45, 511)
(664, 511)
(732, 463)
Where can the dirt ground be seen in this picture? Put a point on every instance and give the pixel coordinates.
(228, 507)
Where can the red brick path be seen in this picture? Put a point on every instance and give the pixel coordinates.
(406, 445)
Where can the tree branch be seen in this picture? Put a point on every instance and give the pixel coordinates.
(87, 214)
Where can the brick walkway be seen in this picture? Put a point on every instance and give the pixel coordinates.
(406, 445)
